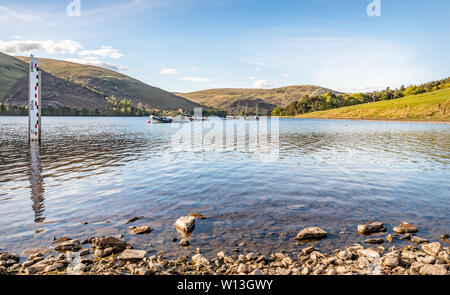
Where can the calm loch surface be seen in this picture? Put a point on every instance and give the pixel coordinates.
(329, 173)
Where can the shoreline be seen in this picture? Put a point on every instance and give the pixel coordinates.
(114, 256)
(370, 120)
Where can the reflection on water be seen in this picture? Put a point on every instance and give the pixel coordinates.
(333, 174)
(37, 183)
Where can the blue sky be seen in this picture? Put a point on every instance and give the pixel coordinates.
(188, 45)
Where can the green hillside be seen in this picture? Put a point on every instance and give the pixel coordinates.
(429, 106)
(228, 98)
(11, 69)
(109, 83)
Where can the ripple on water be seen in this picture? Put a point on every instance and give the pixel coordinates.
(332, 174)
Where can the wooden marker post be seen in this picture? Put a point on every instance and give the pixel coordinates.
(34, 101)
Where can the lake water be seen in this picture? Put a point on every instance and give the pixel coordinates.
(334, 174)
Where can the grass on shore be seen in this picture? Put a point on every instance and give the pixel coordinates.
(430, 106)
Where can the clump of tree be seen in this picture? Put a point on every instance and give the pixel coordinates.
(329, 100)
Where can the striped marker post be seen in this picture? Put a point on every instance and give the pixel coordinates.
(34, 103)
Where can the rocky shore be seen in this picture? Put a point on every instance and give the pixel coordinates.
(114, 256)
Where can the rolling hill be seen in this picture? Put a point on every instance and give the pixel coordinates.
(235, 100)
(429, 106)
(77, 85)
(11, 69)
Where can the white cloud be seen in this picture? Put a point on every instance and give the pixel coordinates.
(104, 51)
(195, 69)
(7, 14)
(286, 75)
(195, 79)
(252, 78)
(170, 71)
(30, 46)
(347, 62)
(17, 37)
(95, 61)
(262, 84)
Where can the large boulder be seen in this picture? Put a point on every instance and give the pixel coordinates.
(371, 227)
(185, 224)
(116, 244)
(432, 248)
(429, 269)
(391, 260)
(311, 233)
(404, 228)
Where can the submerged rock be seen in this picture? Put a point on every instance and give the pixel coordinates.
(131, 220)
(375, 241)
(405, 237)
(184, 243)
(61, 240)
(198, 215)
(185, 224)
(371, 227)
(418, 240)
(311, 233)
(140, 230)
(404, 228)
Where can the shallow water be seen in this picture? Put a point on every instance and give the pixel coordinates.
(334, 174)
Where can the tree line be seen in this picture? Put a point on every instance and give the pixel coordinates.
(116, 107)
(330, 100)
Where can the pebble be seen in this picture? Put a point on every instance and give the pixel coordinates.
(184, 243)
(133, 219)
(308, 250)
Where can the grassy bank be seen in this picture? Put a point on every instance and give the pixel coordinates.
(430, 106)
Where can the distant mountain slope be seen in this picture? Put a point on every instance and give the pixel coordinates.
(11, 69)
(107, 83)
(57, 92)
(225, 98)
(429, 106)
